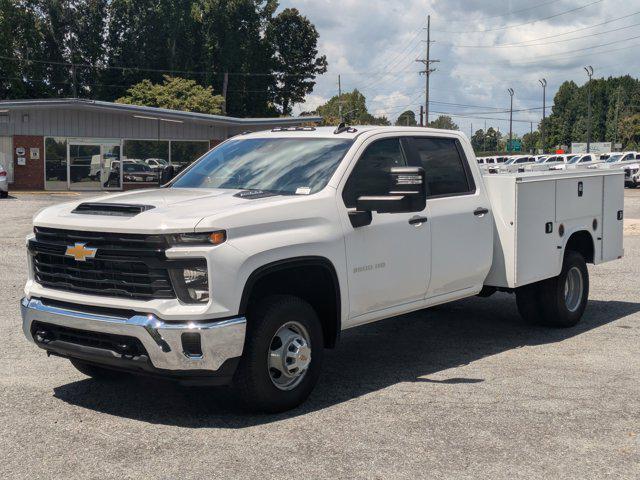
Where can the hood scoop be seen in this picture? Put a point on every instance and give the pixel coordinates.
(111, 209)
(253, 194)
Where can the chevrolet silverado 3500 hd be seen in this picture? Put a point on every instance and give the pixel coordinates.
(247, 265)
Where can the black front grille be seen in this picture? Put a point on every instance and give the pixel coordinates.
(45, 333)
(125, 265)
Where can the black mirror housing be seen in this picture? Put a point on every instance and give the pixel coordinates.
(407, 193)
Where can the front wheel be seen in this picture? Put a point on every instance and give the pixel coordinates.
(559, 301)
(282, 355)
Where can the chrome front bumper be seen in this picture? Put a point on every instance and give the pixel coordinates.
(220, 340)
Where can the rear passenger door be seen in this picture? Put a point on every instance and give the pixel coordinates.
(459, 215)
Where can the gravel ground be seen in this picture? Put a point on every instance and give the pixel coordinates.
(464, 390)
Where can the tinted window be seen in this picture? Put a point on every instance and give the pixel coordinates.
(296, 166)
(370, 175)
(586, 158)
(444, 166)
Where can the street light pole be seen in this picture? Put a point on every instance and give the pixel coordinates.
(543, 82)
(510, 146)
(589, 70)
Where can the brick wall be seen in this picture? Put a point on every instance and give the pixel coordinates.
(31, 175)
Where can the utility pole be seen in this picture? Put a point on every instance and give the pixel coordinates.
(225, 85)
(615, 135)
(543, 82)
(422, 116)
(74, 80)
(471, 132)
(589, 70)
(428, 70)
(340, 100)
(484, 137)
(510, 146)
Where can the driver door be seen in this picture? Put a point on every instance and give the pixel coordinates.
(389, 260)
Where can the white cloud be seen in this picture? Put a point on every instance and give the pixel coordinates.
(373, 45)
(311, 103)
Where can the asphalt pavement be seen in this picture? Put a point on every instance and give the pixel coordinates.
(464, 390)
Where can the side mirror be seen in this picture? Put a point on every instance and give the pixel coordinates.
(407, 193)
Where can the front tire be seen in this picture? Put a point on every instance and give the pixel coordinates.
(3, 194)
(560, 301)
(282, 355)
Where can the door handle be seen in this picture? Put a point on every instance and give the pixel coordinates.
(417, 220)
(478, 212)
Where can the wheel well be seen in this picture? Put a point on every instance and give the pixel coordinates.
(313, 279)
(582, 243)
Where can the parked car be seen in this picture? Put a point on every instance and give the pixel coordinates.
(248, 265)
(632, 175)
(586, 160)
(4, 183)
(619, 160)
(548, 162)
(156, 163)
(516, 163)
(138, 172)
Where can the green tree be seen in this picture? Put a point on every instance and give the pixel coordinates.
(407, 119)
(354, 110)
(531, 141)
(629, 132)
(478, 141)
(296, 61)
(492, 139)
(443, 122)
(174, 93)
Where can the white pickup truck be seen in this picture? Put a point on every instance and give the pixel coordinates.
(250, 263)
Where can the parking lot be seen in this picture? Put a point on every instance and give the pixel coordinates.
(464, 390)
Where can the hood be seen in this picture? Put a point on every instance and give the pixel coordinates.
(169, 210)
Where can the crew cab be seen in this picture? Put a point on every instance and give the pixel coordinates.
(619, 160)
(247, 266)
(516, 163)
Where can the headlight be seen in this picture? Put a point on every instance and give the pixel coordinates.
(211, 238)
(191, 283)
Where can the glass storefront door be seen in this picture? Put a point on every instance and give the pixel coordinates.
(94, 166)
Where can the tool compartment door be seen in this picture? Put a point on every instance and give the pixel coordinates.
(578, 198)
(612, 222)
(537, 254)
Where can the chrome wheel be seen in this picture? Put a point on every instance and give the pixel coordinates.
(289, 356)
(573, 288)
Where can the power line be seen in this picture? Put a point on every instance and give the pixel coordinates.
(506, 27)
(561, 54)
(503, 15)
(545, 43)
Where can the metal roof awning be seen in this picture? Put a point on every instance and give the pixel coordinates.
(156, 113)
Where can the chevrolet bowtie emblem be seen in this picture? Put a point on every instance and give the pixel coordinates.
(80, 252)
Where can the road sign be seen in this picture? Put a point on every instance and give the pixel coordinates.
(514, 145)
(595, 147)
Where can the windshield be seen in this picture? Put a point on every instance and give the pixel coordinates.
(280, 165)
(509, 161)
(541, 160)
(574, 159)
(614, 158)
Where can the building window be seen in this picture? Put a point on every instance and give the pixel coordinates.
(143, 160)
(145, 149)
(56, 163)
(184, 153)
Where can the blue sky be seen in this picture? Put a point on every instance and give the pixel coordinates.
(373, 45)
